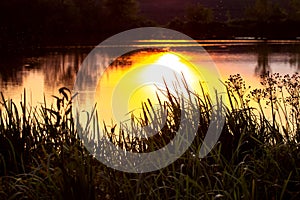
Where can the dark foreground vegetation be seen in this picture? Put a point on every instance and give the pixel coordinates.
(257, 157)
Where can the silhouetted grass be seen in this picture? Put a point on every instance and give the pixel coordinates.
(257, 156)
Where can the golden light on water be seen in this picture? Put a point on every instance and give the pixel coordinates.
(129, 85)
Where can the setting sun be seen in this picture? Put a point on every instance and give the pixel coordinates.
(125, 88)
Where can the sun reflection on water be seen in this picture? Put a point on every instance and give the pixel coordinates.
(129, 85)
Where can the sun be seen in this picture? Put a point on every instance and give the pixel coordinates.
(123, 88)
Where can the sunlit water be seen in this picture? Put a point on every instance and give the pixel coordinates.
(41, 75)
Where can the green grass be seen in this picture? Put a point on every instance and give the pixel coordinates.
(257, 156)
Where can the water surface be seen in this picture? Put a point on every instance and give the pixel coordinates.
(42, 74)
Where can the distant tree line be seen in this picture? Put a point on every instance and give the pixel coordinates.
(40, 22)
(26, 23)
(262, 19)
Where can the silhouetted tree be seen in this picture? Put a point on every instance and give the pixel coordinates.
(265, 11)
(294, 7)
(199, 14)
(122, 12)
(228, 16)
(176, 24)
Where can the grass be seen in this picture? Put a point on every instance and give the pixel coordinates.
(257, 156)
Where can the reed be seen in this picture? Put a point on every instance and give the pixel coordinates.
(257, 156)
